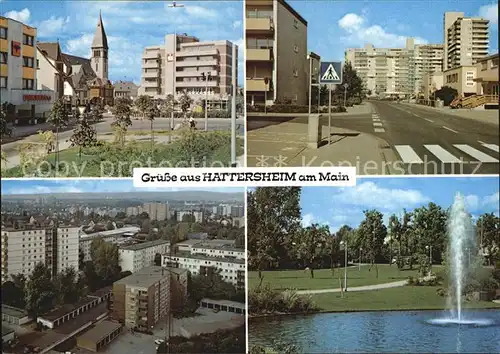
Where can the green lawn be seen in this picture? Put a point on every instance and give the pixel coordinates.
(400, 298)
(323, 279)
(201, 149)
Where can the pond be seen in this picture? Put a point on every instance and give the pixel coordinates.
(390, 332)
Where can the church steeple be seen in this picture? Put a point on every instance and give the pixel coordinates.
(99, 59)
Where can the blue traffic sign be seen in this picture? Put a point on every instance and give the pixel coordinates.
(330, 72)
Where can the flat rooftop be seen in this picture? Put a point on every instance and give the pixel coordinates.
(102, 291)
(14, 311)
(227, 303)
(100, 331)
(206, 258)
(144, 245)
(113, 232)
(66, 309)
(145, 277)
(6, 330)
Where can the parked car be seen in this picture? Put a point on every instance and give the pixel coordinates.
(159, 341)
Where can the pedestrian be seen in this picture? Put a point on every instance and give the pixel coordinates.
(192, 123)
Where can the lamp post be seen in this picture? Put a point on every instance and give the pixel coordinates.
(310, 81)
(430, 258)
(345, 93)
(266, 83)
(206, 77)
(344, 243)
(234, 91)
(360, 250)
(174, 5)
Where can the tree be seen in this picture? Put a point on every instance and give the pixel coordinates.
(488, 231)
(372, 233)
(143, 104)
(121, 111)
(185, 102)
(310, 244)
(105, 258)
(446, 94)
(95, 114)
(13, 294)
(59, 118)
(67, 287)
(429, 230)
(323, 95)
(81, 259)
(84, 135)
(274, 214)
(188, 218)
(4, 113)
(48, 139)
(352, 80)
(39, 291)
(167, 108)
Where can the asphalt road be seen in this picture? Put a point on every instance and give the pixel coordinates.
(423, 141)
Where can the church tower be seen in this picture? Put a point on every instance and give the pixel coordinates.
(99, 59)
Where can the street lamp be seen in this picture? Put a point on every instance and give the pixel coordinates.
(174, 4)
(360, 255)
(346, 85)
(344, 243)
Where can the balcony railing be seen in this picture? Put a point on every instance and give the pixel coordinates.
(259, 24)
(253, 54)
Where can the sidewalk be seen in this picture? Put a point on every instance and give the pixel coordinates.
(393, 284)
(484, 115)
(285, 145)
(363, 108)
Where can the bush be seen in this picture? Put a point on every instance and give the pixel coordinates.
(264, 300)
(441, 292)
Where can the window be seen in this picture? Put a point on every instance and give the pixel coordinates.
(295, 49)
(494, 63)
(3, 32)
(469, 78)
(3, 81)
(97, 53)
(28, 40)
(28, 84)
(3, 58)
(28, 62)
(295, 23)
(295, 73)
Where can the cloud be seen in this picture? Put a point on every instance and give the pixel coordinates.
(492, 200)
(49, 190)
(22, 16)
(307, 219)
(201, 12)
(490, 12)
(237, 24)
(52, 26)
(472, 202)
(369, 195)
(359, 32)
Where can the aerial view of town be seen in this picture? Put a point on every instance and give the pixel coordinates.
(98, 266)
(92, 96)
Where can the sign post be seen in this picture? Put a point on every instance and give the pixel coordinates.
(330, 74)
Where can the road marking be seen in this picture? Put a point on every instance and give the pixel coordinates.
(408, 155)
(451, 130)
(379, 130)
(429, 120)
(376, 119)
(478, 155)
(377, 124)
(442, 154)
(490, 146)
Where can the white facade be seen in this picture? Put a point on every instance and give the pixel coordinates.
(67, 248)
(136, 257)
(198, 215)
(155, 211)
(218, 252)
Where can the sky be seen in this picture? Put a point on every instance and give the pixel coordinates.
(335, 206)
(115, 185)
(335, 25)
(129, 25)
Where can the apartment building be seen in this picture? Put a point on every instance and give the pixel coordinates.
(141, 255)
(18, 66)
(465, 39)
(126, 89)
(114, 235)
(156, 211)
(179, 65)
(233, 210)
(218, 251)
(395, 71)
(142, 299)
(22, 249)
(462, 79)
(276, 55)
(195, 216)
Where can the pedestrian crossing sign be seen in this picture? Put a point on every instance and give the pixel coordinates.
(330, 72)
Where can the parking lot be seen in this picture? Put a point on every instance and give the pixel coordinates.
(129, 343)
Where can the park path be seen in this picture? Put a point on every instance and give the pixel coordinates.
(393, 284)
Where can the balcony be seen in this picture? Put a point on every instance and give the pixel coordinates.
(196, 63)
(196, 53)
(200, 84)
(150, 74)
(259, 25)
(150, 83)
(150, 64)
(259, 55)
(196, 73)
(255, 85)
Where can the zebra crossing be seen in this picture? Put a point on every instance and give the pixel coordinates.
(484, 153)
(378, 127)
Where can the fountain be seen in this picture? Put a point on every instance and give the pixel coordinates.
(461, 238)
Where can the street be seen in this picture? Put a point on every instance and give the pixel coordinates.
(420, 140)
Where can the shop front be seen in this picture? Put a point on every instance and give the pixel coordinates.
(31, 106)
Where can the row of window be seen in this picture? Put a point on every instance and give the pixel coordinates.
(28, 84)
(27, 39)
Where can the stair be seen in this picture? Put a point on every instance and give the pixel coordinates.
(473, 101)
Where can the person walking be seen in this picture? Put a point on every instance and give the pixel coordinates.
(192, 123)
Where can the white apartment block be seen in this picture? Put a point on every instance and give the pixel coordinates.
(23, 249)
(156, 211)
(136, 257)
(198, 215)
(395, 71)
(178, 65)
(218, 252)
(465, 39)
(230, 269)
(109, 236)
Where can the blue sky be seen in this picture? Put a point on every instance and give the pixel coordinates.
(338, 206)
(129, 25)
(336, 25)
(47, 186)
